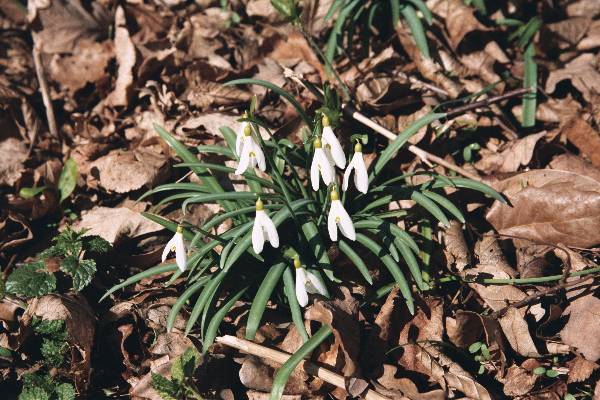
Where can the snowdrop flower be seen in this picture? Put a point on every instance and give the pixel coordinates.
(239, 139)
(338, 218)
(361, 179)
(176, 244)
(320, 166)
(332, 144)
(251, 153)
(306, 282)
(263, 229)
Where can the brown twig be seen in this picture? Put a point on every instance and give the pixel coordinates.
(280, 357)
(39, 70)
(455, 112)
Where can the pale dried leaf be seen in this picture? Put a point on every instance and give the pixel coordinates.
(585, 138)
(549, 206)
(582, 72)
(518, 381)
(116, 224)
(513, 155)
(580, 369)
(126, 58)
(13, 154)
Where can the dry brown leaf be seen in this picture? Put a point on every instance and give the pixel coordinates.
(211, 123)
(582, 72)
(60, 25)
(257, 374)
(205, 93)
(583, 8)
(341, 315)
(571, 30)
(379, 337)
(87, 64)
(81, 325)
(580, 369)
(458, 18)
(116, 224)
(456, 250)
(572, 163)
(126, 58)
(13, 154)
(582, 331)
(125, 171)
(549, 206)
(592, 39)
(513, 155)
(404, 386)
(585, 138)
(518, 381)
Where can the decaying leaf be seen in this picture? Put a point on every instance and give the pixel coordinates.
(116, 224)
(582, 72)
(125, 171)
(549, 206)
(13, 153)
(585, 138)
(511, 157)
(126, 58)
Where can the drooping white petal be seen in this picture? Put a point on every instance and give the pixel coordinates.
(180, 252)
(168, 248)
(244, 158)
(258, 235)
(239, 139)
(320, 166)
(270, 230)
(338, 218)
(301, 293)
(331, 141)
(260, 156)
(315, 285)
(347, 173)
(361, 177)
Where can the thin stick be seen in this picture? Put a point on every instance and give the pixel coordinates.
(39, 70)
(455, 112)
(280, 357)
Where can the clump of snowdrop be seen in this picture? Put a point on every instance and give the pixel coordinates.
(177, 245)
(320, 167)
(306, 282)
(361, 178)
(338, 218)
(249, 151)
(263, 229)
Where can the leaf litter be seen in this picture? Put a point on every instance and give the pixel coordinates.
(115, 69)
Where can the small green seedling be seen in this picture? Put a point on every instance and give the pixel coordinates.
(482, 355)
(66, 183)
(181, 385)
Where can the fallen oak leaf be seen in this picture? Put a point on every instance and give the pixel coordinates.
(514, 154)
(549, 206)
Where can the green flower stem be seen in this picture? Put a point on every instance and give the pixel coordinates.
(520, 281)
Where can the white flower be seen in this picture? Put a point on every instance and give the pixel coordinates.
(338, 218)
(361, 178)
(263, 229)
(239, 139)
(176, 244)
(251, 153)
(320, 166)
(307, 282)
(332, 144)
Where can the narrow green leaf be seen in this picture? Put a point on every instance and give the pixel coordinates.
(392, 266)
(277, 90)
(29, 192)
(447, 204)
(395, 7)
(262, 297)
(315, 242)
(396, 144)
(288, 367)
(214, 149)
(416, 28)
(530, 82)
(204, 299)
(68, 179)
(213, 326)
(421, 6)
(159, 269)
(185, 296)
(430, 206)
(356, 260)
(470, 184)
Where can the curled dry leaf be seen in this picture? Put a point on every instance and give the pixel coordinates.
(572, 163)
(456, 250)
(81, 325)
(126, 58)
(116, 224)
(511, 157)
(404, 386)
(14, 230)
(125, 171)
(585, 138)
(458, 17)
(60, 25)
(205, 93)
(518, 381)
(549, 206)
(381, 333)
(580, 369)
(582, 72)
(13, 154)
(583, 8)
